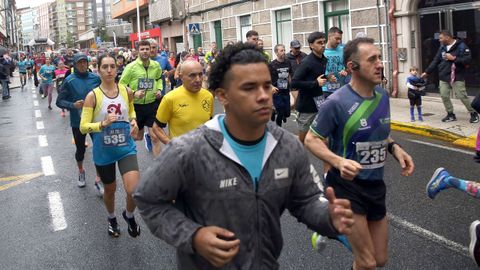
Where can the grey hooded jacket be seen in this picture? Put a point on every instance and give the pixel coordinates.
(210, 187)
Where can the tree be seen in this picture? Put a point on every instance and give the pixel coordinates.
(70, 40)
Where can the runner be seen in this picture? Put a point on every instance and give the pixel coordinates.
(442, 180)
(22, 70)
(93, 65)
(39, 62)
(109, 115)
(47, 74)
(59, 77)
(185, 108)
(232, 178)
(281, 72)
(356, 120)
(144, 76)
(72, 95)
(335, 68)
(30, 64)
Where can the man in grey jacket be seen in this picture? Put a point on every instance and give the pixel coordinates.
(217, 193)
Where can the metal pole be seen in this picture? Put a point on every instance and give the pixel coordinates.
(114, 39)
(138, 20)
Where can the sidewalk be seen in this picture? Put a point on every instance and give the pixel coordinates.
(461, 132)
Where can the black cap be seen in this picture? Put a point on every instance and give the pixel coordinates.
(295, 44)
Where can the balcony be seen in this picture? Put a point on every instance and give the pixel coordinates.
(160, 11)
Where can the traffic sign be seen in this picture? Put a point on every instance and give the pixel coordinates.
(194, 28)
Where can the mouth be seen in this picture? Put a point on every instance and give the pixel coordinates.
(264, 110)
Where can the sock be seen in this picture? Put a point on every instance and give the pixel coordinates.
(412, 109)
(470, 187)
(129, 214)
(111, 215)
(419, 110)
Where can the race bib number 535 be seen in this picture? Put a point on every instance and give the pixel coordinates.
(114, 137)
(372, 155)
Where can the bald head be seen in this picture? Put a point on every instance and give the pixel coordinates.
(191, 73)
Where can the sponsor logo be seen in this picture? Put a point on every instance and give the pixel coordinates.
(115, 108)
(281, 173)
(353, 108)
(205, 105)
(182, 105)
(230, 182)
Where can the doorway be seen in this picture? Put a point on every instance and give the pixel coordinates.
(463, 21)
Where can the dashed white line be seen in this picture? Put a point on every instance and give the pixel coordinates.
(38, 114)
(33, 92)
(35, 103)
(443, 147)
(40, 125)
(56, 211)
(34, 95)
(42, 140)
(454, 246)
(47, 166)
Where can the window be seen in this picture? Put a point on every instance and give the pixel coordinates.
(283, 22)
(217, 26)
(245, 26)
(337, 14)
(79, 4)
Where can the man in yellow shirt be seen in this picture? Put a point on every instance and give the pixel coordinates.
(185, 108)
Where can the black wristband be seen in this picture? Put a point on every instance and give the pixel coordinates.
(390, 147)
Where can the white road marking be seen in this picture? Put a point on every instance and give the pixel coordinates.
(38, 114)
(47, 166)
(35, 103)
(42, 140)
(454, 246)
(40, 125)
(444, 147)
(56, 211)
(34, 95)
(33, 92)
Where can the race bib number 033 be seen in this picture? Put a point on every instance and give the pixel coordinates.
(145, 84)
(113, 137)
(372, 155)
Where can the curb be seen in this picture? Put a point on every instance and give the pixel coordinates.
(436, 133)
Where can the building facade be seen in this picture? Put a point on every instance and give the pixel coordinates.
(9, 36)
(126, 10)
(43, 21)
(29, 22)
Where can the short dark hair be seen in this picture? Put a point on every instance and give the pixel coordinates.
(103, 56)
(252, 33)
(446, 33)
(143, 43)
(335, 30)
(236, 54)
(277, 46)
(315, 35)
(121, 56)
(350, 50)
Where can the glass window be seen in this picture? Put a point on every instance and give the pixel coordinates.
(245, 26)
(337, 14)
(283, 20)
(79, 4)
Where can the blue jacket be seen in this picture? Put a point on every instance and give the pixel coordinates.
(76, 87)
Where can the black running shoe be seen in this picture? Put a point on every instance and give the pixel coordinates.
(449, 118)
(113, 229)
(133, 228)
(473, 117)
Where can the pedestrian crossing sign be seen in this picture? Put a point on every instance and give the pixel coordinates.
(194, 28)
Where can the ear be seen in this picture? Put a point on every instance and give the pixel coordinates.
(349, 66)
(222, 96)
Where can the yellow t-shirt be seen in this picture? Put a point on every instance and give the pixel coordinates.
(184, 111)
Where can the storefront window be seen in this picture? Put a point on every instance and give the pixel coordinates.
(337, 14)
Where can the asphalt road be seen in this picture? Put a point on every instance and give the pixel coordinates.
(47, 222)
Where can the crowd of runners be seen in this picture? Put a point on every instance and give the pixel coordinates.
(222, 208)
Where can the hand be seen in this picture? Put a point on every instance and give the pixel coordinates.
(78, 104)
(139, 93)
(133, 128)
(449, 57)
(405, 160)
(274, 90)
(111, 117)
(348, 168)
(424, 75)
(321, 80)
(218, 252)
(332, 78)
(158, 95)
(340, 212)
(343, 73)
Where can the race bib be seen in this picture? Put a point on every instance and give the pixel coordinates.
(372, 155)
(333, 86)
(318, 101)
(145, 84)
(113, 137)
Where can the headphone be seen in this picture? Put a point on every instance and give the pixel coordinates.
(355, 65)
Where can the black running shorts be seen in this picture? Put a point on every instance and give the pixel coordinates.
(146, 114)
(126, 164)
(367, 197)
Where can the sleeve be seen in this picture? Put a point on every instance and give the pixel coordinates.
(298, 81)
(325, 122)
(158, 80)
(164, 111)
(63, 98)
(273, 74)
(207, 55)
(435, 62)
(131, 107)
(307, 202)
(464, 55)
(162, 183)
(125, 79)
(212, 102)
(86, 122)
(168, 67)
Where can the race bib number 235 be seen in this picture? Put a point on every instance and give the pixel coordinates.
(372, 155)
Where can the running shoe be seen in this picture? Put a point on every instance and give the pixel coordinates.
(133, 228)
(319, 242)
(437, 183)
(449, 118)
(81, 179)
(474, 244)
(99, 188)
(113, 229)
(148, 142)
(473, 117)
(49, 107)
